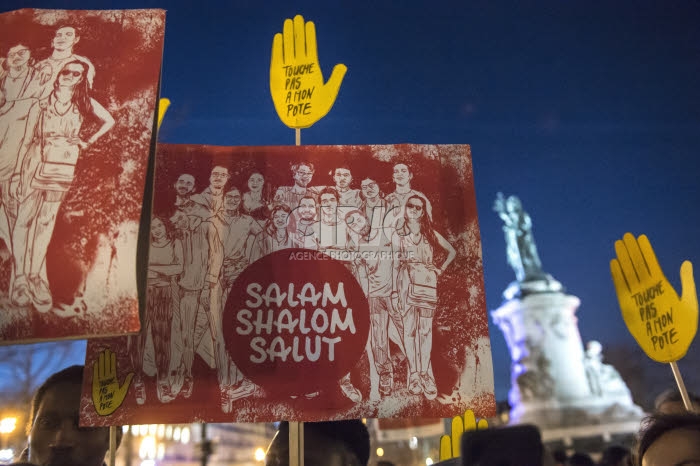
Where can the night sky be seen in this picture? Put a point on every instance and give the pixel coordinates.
(588, 111)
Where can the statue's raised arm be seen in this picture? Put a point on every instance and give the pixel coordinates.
(499, 206)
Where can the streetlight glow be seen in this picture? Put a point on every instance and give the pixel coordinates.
(259, 454)
(380, 452)
(8, 425)
(148, 448)
(6, 455)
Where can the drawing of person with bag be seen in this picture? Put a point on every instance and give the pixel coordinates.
(415, 289)
(44, 174)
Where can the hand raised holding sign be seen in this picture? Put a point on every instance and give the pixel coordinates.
(300, 96)
(663, 323)
(107, 395)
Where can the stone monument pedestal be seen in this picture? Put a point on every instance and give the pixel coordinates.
(555, 384)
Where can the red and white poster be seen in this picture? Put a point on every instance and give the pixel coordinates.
(304, 283)
(78, 92)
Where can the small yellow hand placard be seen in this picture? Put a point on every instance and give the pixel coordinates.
(163, 105)
(450, 444)
(663, 323)
(107, 395)
(300, 96)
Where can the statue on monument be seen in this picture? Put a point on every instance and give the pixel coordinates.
(603, 379)
(521, 248)
(555, 382)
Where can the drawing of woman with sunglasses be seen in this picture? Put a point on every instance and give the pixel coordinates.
(44, 174)
(414, 293)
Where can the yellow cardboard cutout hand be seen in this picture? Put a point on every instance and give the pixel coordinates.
(663, 323)
(450, 444)
(300, 96)
(163, 105)
(107, 395)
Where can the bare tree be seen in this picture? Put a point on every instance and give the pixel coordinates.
(645, 378)
(24, 367)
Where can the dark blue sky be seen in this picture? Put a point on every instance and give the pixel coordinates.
(589, 111)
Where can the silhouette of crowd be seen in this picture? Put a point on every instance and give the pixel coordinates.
(668, 436)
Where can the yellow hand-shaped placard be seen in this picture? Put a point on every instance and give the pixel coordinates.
(300, 96)
(663, 323)
(450, 444)
(107, 395)
(163, 105)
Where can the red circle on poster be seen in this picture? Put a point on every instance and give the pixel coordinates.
(296, 322)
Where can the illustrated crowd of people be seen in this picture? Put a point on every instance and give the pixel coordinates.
(43, 104)
(388, 242)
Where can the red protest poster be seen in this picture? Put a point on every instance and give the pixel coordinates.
(78, 92)
(304, 283)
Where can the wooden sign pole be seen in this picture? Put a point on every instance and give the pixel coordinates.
(296, 443)
(296, 428)
(113, 445)
(681, 387)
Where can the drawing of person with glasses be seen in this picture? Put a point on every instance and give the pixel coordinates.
(372, 197)
(290, 196)
(16, 73)
(414, 286)
(45, 170)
